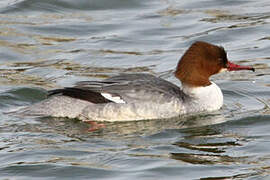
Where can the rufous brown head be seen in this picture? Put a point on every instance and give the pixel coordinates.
(203, 60)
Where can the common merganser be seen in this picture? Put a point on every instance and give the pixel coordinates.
(143, 96)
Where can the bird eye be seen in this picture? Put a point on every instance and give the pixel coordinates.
(222, 61)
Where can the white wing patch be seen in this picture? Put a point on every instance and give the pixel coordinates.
(115, 99)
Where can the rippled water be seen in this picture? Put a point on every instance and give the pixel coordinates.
(48, 44)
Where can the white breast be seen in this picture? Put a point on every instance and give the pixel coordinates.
(208, 98)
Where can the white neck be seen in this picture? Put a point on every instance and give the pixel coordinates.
(208, 98)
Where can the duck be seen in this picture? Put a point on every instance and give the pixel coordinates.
(141, 96)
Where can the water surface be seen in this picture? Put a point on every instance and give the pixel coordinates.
(50, 44)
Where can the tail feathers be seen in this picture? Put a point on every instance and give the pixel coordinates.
(55, 106)
(26, 111)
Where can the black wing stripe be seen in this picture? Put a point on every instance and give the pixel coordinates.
(87, 95)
